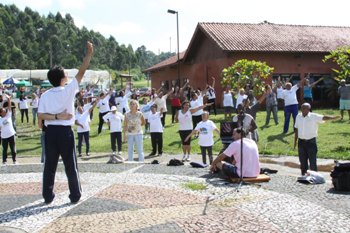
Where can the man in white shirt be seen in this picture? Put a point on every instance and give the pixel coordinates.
(56, 108)
(250, 164)
(290, 104)
(306, 127)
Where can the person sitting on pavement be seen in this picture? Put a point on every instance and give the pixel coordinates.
(250, 165)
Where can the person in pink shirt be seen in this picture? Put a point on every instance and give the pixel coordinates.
(250, 166)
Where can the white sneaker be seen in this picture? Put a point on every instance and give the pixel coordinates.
(188, 158)
(184, 158)
(119, 153)
(113, 153)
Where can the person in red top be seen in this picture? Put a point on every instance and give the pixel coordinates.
(176, 101)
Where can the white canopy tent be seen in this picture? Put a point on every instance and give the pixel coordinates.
(90, 77)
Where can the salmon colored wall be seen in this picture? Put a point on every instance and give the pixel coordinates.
(205, 59)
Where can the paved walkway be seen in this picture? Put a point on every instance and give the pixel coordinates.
(135, 197)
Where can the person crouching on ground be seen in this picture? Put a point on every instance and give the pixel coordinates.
(205, 129)
(7, 132)
(133, 123)
(250, 165)
(114, 120)
(156, 130)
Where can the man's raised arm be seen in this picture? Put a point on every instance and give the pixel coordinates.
(86, 61)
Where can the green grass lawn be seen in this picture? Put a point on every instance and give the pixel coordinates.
(333, 138)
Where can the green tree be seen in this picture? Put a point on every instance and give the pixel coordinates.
(341, 56)
(247, 73)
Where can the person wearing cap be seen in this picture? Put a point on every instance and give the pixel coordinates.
(82, 120)
(56, 108)
(305, 133)
(344, 101)
(156, 130)
(114, 119)
(250, 164)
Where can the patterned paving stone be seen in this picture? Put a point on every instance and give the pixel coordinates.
(101, 205)
(148, 196)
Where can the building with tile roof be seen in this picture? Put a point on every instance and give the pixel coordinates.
(293, 50)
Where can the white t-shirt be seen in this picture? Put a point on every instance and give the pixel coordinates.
(7, 129)
(205, 137)
(122, 102)
(185, 120)
(23, 104)
(83, 119)
(290, 96)
(115, 121)
(308, 126)
(35, 103)
(103, 104)
(195, 104)
(58, 99)
(155, 124)
(240, 99)
(211, 93)
(228, 101)
(146, 109)
(279, 91)
(161, 103)
(251, 166)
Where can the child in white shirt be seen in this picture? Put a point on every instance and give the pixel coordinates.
(114, 120)
(205, 129)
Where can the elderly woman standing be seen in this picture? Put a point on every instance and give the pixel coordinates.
(133, 123)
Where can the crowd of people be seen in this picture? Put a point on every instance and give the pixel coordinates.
(57, 109)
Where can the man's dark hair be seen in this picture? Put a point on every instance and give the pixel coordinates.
(55, 75)
(240, 131)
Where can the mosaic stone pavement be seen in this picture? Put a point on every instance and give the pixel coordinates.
(154, 198)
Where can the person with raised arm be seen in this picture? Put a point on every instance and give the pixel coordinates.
(56, 108)
(7, 132)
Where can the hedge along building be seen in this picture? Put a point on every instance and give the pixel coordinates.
(293, 50)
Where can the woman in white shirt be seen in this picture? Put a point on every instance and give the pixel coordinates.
(156, 130)
(7, 132)
(122, 101)
(35, 105)
(23, 106)
(184, 117)
(82, 120)
(227, 102)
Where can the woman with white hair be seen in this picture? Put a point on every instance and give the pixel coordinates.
(133, 123)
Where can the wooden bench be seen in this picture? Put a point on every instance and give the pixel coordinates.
(261, 178)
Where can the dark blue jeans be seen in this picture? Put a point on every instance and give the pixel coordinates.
(289, 110)
(307, 150)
